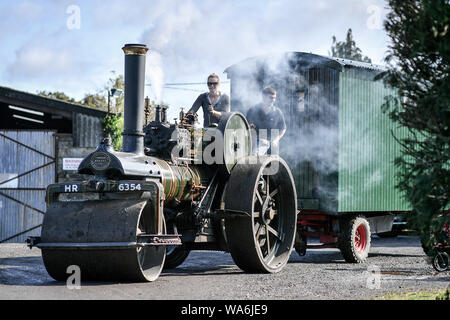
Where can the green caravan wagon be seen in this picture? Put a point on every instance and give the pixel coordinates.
(339, 144)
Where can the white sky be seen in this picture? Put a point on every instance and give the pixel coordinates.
(72, 46)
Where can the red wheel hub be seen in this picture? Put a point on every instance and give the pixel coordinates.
(361, 238)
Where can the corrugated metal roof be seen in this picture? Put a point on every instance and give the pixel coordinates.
(303, 60)
(38, 102)
(358, 64)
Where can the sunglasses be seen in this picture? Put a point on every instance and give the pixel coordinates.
(213, 83)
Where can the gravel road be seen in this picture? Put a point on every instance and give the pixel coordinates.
(394, 264)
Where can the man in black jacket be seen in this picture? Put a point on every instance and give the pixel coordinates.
(268, 121)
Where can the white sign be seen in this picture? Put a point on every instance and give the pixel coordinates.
(71, 163)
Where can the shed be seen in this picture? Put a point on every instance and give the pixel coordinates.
(39, 137)
(21, 111)
(339, 143)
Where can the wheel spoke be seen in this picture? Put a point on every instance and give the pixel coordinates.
(258, 231)
(259, 197)
(261, 240)
(256, 214)
(267, 186)
(273, 231)
(274, 192)
(267, 239)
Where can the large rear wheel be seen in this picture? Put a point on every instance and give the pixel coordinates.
(261, 200)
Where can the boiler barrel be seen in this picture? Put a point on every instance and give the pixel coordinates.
(181, 182)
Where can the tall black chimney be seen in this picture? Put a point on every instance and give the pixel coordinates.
(133, 137)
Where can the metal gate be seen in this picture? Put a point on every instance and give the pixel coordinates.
(27, 166)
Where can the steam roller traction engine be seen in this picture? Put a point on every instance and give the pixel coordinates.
(174, 188)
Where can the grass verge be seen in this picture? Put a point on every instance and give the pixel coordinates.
(436, 294)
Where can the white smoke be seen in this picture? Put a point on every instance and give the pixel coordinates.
(154, 74)
(177, 17)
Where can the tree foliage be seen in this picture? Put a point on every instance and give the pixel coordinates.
(97, 100)
(116, 82)
(113, 123)
(57, 95)
(347, 49)
(113, 127)
(419, 65)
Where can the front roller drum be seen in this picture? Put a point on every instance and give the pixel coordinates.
(261, 202)
(101, 238)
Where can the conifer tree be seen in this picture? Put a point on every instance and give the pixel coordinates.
(419, 66)
(347, 49)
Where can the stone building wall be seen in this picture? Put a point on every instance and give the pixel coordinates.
(65, 149)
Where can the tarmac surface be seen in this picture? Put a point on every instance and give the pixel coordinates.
(394, 265)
